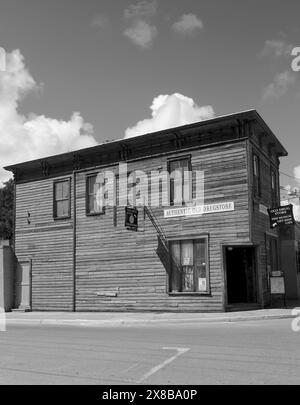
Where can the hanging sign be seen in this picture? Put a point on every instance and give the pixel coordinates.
(281, 216)
(131, 218)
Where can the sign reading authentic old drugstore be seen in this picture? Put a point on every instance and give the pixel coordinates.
(131, 218)
(198, 210)
(281, 216)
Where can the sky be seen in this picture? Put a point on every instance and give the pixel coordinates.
(78, 73)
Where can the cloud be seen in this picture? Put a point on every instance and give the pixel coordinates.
(139, 29)
(100, 21)
(296, 207)
(297, 173)
(276, 48)
(280, 85)
(24, 138)
(141, 33)
(169, 111)
(188, 24)
(141, 9)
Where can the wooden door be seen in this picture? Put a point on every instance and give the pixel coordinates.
(23, 286)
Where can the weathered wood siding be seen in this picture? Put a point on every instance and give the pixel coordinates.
(119, 270)
(48, 243)
(260, 223)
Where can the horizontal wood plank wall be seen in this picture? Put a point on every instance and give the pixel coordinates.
(118, 270)
(48, 242)
(260, 224)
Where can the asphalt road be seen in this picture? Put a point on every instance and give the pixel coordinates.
(254, 352)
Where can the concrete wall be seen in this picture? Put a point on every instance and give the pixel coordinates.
(7, 262)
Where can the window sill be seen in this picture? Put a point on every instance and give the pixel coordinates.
(179, 293)
(94, 214)
(61, 218)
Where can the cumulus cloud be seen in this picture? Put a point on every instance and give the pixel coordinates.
(170, 111)
(277, 48)
(188, 24)
(141, 33)
(23, 138)
(141, 9)
(100, 21)
(280, 85)
(140, 30)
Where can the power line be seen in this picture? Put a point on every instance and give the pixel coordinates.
(288, 175)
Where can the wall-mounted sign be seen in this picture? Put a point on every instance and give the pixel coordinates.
(131, 218)
(198, 210)
(281, 216)
(277, 285)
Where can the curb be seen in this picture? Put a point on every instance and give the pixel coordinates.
(138, 322)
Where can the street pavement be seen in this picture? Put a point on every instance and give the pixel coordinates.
(258, 351)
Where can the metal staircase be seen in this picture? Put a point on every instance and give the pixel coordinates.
(156, 224)
(162, 250)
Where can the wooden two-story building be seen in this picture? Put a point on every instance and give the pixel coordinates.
(78, 257)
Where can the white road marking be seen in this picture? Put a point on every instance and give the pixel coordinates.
(180, 351)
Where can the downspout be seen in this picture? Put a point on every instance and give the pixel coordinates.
(14, 249)
(14, 214)
(74, 242)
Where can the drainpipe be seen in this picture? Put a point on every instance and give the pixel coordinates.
(74, 241)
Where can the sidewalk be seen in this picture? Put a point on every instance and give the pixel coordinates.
(100, 319)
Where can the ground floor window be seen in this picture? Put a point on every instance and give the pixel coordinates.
(189, 266)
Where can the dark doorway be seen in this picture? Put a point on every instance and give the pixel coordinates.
(241, 275)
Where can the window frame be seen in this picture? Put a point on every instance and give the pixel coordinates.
(274, 191)
(176, 159)
(256, 177)
(55, 216)
(87, 197)
(272, 242)
(193, 239)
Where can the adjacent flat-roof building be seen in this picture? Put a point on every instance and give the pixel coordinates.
(201, 255)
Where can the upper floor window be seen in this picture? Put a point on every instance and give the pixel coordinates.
(180, 181)
(274, 188)
(256, 175)
(62, 199)
(94, 204)
(189, 266)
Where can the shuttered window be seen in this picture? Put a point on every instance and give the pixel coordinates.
(62, 199)
(189, 266)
